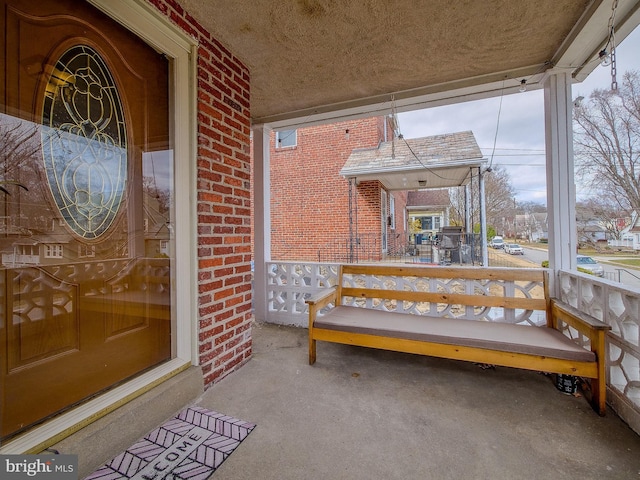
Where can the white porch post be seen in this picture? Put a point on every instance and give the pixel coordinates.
(483, 218)
(261, 218)
(468, 227)
(561, 189)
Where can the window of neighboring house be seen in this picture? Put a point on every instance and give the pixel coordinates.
(164, 247)
(53, 250)
(286, 138)
(86, 251)
(431, 223)
(392, 212)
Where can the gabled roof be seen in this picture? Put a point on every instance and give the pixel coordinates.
(438, 161)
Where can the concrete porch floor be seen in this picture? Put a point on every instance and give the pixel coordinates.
(366, 414)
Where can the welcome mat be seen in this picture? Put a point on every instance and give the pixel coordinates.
(190, 446)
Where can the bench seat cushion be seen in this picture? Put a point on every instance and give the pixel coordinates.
(506, 337)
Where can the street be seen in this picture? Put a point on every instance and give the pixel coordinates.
(628, 276)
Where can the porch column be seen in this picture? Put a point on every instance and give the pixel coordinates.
(561, 189)
(261, 218)
(468, 224)
(483, 218)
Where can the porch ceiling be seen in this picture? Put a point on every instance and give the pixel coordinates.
(319, 60)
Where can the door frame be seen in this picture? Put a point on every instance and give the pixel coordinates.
(150, 25)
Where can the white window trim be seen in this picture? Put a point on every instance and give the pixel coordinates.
(150, 25)
(86, 251)
(53, 250)
(295, 134)
(392, 211)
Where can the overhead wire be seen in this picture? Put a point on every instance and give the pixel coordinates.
(400, 136)
(495, 137)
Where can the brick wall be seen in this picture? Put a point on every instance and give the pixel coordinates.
(309, 198)
(223, 201)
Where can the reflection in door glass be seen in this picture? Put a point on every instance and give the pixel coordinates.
(86, 243)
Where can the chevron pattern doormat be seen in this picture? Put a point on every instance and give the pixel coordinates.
(190, 446)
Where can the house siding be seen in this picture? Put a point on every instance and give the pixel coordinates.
(223, 201)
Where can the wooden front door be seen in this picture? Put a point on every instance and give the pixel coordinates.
(85, 204)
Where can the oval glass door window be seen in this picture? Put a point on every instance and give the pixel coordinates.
(84, 142)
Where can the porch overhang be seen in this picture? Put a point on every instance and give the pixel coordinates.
(316, 61)
(438, 161)
(437, 175)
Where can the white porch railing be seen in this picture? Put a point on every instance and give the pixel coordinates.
(619, 307)
(626, 243)
(15, 260)
(290, 283)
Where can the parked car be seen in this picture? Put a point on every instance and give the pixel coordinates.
(497, 242)
(587, 263)
(513, 249)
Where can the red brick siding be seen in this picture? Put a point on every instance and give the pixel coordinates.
(309, 198)
(223, 201)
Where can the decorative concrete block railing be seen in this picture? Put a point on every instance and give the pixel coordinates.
(619, 307)
(289, 284)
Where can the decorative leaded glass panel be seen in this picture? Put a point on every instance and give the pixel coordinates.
(84, 142)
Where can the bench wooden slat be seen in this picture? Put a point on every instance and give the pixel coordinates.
(466, 273)
(448, 298)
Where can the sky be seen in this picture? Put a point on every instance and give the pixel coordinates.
(517, 126)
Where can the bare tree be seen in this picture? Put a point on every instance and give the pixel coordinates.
(607, 142)
(499, 201)
(499, 195)
(603, 211)
(19, 141)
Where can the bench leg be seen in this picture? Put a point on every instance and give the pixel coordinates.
(312, 351)
(598, 396)
(599, 385)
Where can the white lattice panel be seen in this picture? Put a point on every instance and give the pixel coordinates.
(619, 307)
(289, 284)
(450, 286)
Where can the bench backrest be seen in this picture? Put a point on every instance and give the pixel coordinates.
(472, 289)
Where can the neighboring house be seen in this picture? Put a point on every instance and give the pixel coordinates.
(351, 190)
(25, 244)
(428, 209)
(531, 227)
(542, 230)
(591, 232)
(317, 214)
(434, 163)
(630, 235)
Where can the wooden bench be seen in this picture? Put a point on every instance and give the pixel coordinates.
(367, 308)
